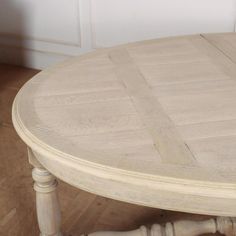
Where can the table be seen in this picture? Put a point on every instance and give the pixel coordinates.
(151, 123)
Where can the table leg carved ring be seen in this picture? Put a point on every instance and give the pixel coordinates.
(49, 217)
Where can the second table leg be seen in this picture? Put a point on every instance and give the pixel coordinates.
(47, 204)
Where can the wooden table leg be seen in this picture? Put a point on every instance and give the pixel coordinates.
(47, 204)
(49, 217)
(224, 225)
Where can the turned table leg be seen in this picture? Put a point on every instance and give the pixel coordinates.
(49, 217)
(223, 225)
(47, 205)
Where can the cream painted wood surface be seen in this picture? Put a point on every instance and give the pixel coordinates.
(47, 204)
(151, 123)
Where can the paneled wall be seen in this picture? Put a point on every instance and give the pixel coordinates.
(39, 33)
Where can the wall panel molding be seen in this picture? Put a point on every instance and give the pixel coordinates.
(35, 45)
(29, 58)
(28, 37)
(40, 53)
(116, 22)
(79, 26)
(32, 23)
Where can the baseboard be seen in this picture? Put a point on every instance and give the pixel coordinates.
(29, 58)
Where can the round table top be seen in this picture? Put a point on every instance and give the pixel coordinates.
(152, 122)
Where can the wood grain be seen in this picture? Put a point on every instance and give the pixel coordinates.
(163, 131)
(129, 123)
(81, 212)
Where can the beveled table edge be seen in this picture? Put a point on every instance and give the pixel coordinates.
(204, 197)
(199, 192)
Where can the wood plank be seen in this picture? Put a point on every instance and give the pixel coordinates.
(226, 43)
(165, 136)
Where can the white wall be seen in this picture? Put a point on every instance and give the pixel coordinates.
(39, 33)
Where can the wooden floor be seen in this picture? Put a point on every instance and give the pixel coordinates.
(82, 212)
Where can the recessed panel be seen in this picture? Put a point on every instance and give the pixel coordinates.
(116, 22)
(55, 21)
